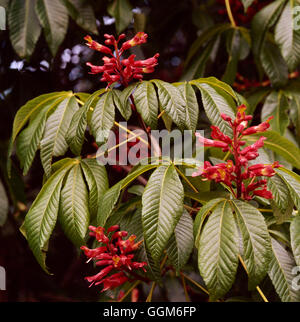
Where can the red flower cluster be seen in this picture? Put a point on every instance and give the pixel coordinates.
(237, 174)
(116, 69)
(114, 255)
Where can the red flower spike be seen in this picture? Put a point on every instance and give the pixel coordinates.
(117, 69)
(115, 255)
(243, 181)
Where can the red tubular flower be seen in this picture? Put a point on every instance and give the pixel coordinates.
(208, 142)
(116, 69)
(244, 181)
(259, 128)
(115, 255)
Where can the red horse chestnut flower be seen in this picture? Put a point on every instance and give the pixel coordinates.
(243, 180)
(115, 255)
(119, 69)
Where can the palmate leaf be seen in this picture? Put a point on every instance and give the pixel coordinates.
(42, 215)
(287, 36)
(97, 181)
(162, 203)
(53, 16)
(280, 273)
(146, 103)
(192, 108)
(295, 238)
(74, 214)
(256, 241)
(181, 243)
(172, 102)
(218, 251)
(54, 138)
(280, 145)
(24, 27)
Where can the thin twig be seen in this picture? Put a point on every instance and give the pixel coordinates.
(129, 291)
(195, 283)
(257, 287)
(186, 180)
(185, 289)
(229, 12)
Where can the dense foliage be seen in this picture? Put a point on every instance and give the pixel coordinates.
(227, 228)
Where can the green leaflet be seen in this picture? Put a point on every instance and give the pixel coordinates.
(292, 181)
(162, 203)
(274, 64)
(103, 118)
(180, 244)
(53, 16)
(122, 106)
(54, 138)
(82, 12)
(78, 125)
(201, 216)
(121, 10)
(29, 140)
(218, 251)
(111, 196)
(192, 108)
(206, 36)
(256, 241)
(132, 222)
(287, 37)
(215, 104)
(74, 214)
(276, 105)
(97, 181)
(146, 103)
(261, 22)
(295, 238)
(24, 27)
(281, 273)
(42, 215)
(36, 104)
(172, 102)
(280, 145)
